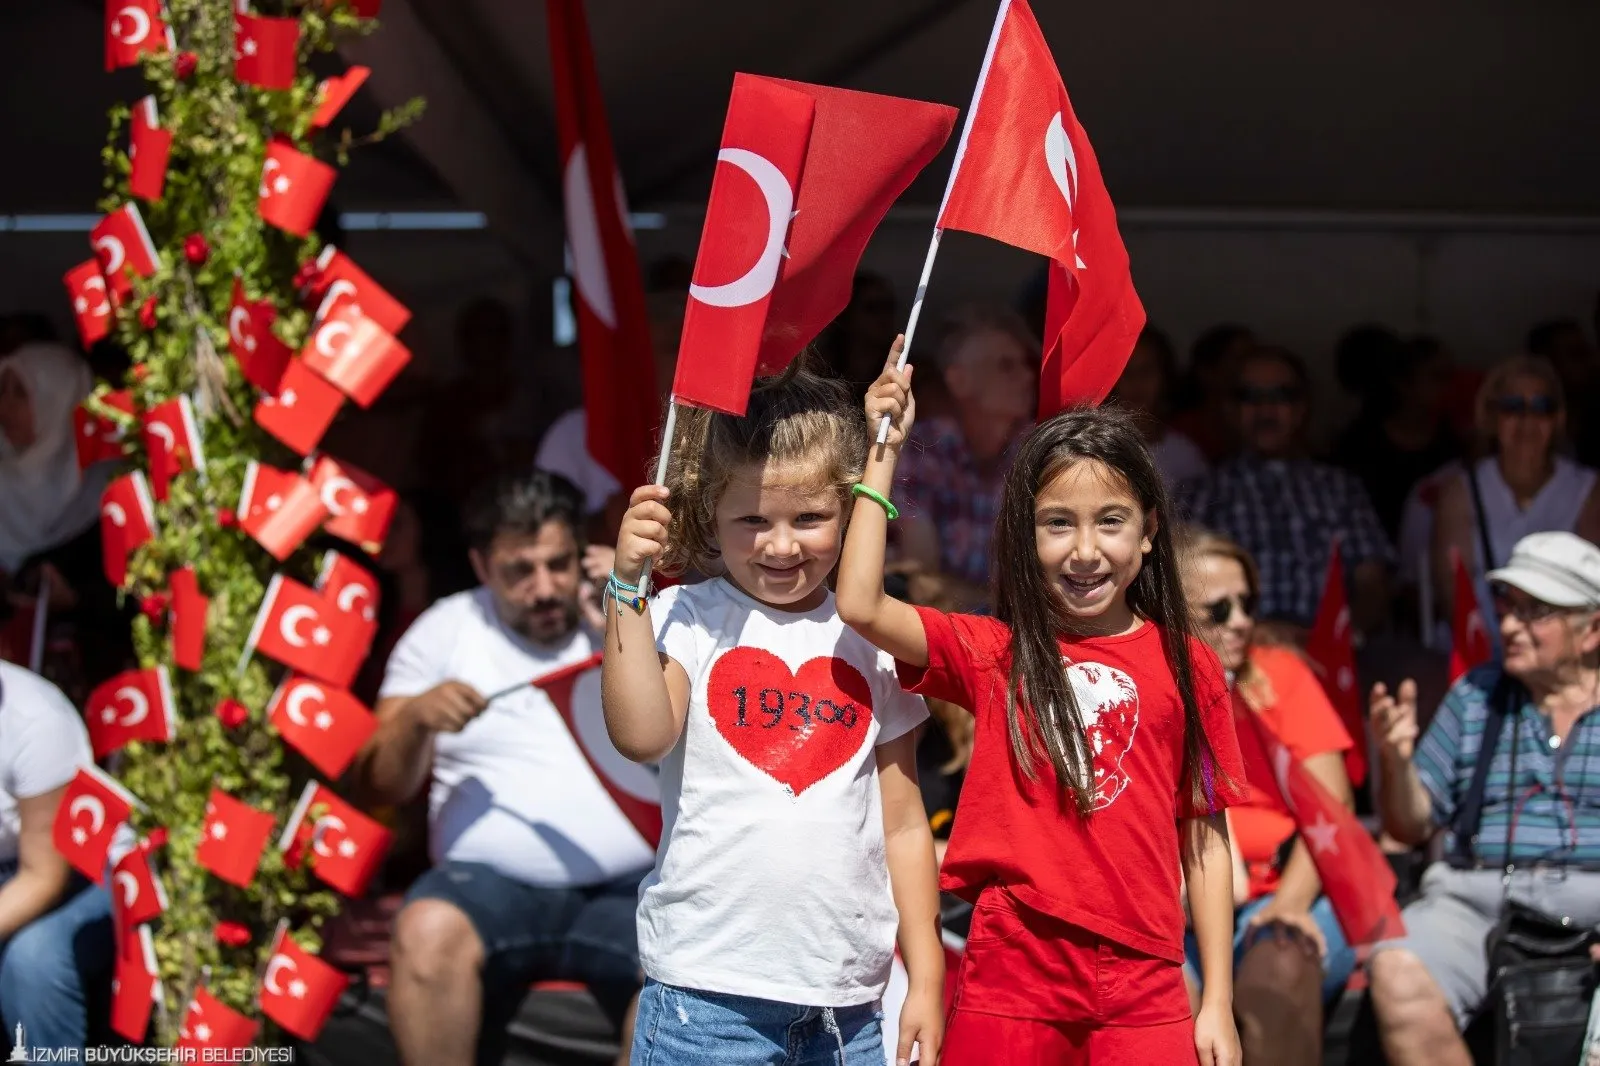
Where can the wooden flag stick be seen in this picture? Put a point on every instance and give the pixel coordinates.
(667, 433)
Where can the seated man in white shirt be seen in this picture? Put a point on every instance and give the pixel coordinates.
(535, 870)
(55, 928)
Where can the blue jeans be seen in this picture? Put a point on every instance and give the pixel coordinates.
(685, 1027)
(1337, 967)
(53, 967)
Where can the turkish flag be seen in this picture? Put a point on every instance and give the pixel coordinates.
(133, 28)
(759, 166)
(354, 353)
(232, 838)
(91, 302)
(305, 632)
(93, 808)
(345, 846)
(294, 186)
(262, 357)
(172, 440)
(575, 692)
(340, 281)
(133, 705)
(211, 1023)
(100, 437)
(137, 895)
(135, 986)
(1333, 658)
(189, 608)
(299, 990)
(360, 506)
(122, 243)
(1469, 637)
(279, 508)
(619, 372)
(367, 9)
(301, 410)
(325, 724)
(354, 593)
(149, 148)
(264, 51)
(1356, 878)
(127, 523)
(333, 93)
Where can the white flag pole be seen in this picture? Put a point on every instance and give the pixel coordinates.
(41, 615)
(667, 433)
(955, 168)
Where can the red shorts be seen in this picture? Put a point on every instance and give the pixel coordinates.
(1033, 990)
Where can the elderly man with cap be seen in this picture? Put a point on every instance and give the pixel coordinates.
(1524, 827)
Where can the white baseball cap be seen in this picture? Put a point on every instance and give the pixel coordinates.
(1560, 569)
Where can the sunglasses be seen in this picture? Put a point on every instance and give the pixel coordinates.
(1526, 611)
(1526, 405)
(1220, 612)
(1252, 396)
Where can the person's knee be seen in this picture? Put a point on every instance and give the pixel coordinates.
(435, 941)
(1280, 966)
(1403, 991)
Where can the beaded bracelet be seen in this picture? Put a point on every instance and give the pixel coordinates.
(624, 593)
(876, 497)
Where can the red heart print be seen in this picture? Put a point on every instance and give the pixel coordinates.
(796, 727)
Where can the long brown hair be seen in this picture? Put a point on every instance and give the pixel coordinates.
(1042, 711)
(1194, 544)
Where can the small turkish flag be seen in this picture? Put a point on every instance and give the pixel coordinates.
(341, 282)
(575, 692)
(133, 705)
(299, 990)
(149, 148)
(355, 354)
(367, 9)
(325, 724)
(210, 1023)
(122, 243)
(301, 410)
(297, 627)
(135, 987)
(264, 51)
(346, 847)
(262, 357)
(99, 437)
(361, 507)
(127, 523)
(350, 588)
(1333, 658)
(764, 140)
(279, 508)
(133, 28)
(294, 186)
(91, 302)
(136, 892)
(1469, 637)
(172, 439)
(232, 838)
(333, 93)
(1356, 877)
(189, 608)
(93, 808)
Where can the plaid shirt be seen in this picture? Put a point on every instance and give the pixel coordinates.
(1556, 795)
(940, 481)
(1285, 513)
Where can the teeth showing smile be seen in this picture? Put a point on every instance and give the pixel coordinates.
(1086, 584)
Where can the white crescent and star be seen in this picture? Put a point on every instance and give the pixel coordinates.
(326, 824)
(269, 981)
(279, 184)
(97, 817)
(141, 21)
(326, 334)
(353, 594)
(163, 433)
(757, 282)
(115, 253)
(238, 318)
(115, 512)
(130, 888)
(294, 703)
(138, 705)
(331, 490)
(103, 307)
(1062, 160)
(1323, 835)
(583, 237)
(343, 287)
(289, 626)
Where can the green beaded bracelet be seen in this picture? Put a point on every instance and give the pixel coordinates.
(876, 497)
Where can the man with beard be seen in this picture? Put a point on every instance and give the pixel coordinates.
(535, 871)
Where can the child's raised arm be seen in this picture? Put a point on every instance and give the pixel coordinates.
(885, 621)
(644, 693)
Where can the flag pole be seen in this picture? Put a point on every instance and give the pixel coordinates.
(955, 168)
(667, 434)
(41, 615)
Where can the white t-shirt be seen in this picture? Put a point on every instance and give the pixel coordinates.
(771, 880)
(512, 789)
(42, 744)
(564, 450)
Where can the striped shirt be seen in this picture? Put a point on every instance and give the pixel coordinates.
(1557, 790)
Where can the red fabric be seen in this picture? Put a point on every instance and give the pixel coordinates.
(134, 985)
(98, 437)
(264, 51)
(1052, 992)
(302, 408)
(133, 705)
(149, 148)
(172, 441)
(122, 244)
(353, 592)
(211, 1023)
(341, 282)
(1333, 658)
(262, 357)
(127, 522)
(136, 893)
(333, 93)
(279, 508)
(189, 609)
(294, 185)
(325, 724)
(1307, 723)
(297, 627)
(299, 990)
(93, 808)
(344, 846)
(1356, 877)
(91, 309)
(134, 27)
(619, 371)
(232, 838)
(354, 353)
(1469, 637)
(360, 507)
(1108, 873)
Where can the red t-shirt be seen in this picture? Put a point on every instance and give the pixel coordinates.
(1116, 873)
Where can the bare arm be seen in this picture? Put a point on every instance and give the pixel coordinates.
(1208, 872)
(394, 765)
(41, 871)
(1407, 808)
(914, 880)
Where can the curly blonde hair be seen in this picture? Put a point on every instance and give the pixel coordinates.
(798, 416)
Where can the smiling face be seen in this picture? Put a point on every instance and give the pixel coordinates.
(1217, 587)
(1527, 417)
(1092, 536)
(779, 527)
(1543, 642)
